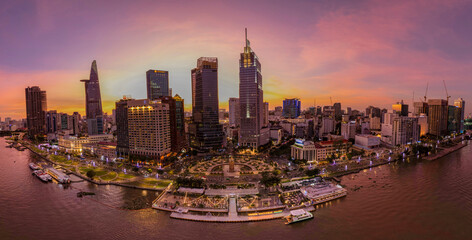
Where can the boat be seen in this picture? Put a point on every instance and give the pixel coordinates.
(34, 166)
(81, 194)
(41, 175)
(298, 216)
(60, 176)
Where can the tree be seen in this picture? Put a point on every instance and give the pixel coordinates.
(91, 174)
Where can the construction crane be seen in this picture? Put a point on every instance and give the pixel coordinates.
(426, 93)
(447, 94)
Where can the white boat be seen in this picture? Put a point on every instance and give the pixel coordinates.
(34, 166)
(41, 175)
(58, 175)
(298, 216)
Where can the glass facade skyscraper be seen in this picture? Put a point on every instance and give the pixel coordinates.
(292, 108)
(205, 132)
(93, 102)
(157, 83)
(250, 99)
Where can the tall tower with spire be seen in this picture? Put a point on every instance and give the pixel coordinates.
(93, 102)
(251, 99)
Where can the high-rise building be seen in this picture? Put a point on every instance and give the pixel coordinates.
(337, 110)
(74, 120)
(454, 119)
(148, 128)
(205, 131)
(460, 103)
(93, 102)
(122, 134)
(157, 82)
(405, 130)
(278, 111)
(36, 107)
(234, 112)
(400, 108)
(437, 117)
(291, 108)
(52, 121)
(265, 118)
(176, 117)
(420, 108)
(64, 121)
(181, 136)
(251, 100)
(348, 130)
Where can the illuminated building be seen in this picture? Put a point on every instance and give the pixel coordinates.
(157, 83)
(93, 102)
(460, 103)
(148, 128)
(251, 100)
(291, 108)
(401, 109)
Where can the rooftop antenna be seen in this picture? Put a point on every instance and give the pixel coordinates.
(245, 30)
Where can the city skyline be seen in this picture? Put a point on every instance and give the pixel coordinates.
(345, 51)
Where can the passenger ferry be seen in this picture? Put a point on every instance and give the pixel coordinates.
(60, 176)
(34, 166)
(298, 216)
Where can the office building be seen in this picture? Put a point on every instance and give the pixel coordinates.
(405, 130)
(460, 103)
(121, 119)
(400, 108)
(205, 131)
(251, 100)
(93, 102)
(157, 83)
(437, 117)
(291, 108)
(234, 112)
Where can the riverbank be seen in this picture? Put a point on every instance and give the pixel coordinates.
(67, 171)
(445, 152)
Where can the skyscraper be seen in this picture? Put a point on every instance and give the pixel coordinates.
(36, 107)
(234, 112)
(437, 117)
(405, 130)
(205, 131)
(157, 83)
(121, 119)
(337, 110)
(251, 99)
(265, 116)
(292, 108)
(52, 121)
(176, 117)
(93, 102)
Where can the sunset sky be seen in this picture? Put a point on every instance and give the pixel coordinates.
(358, 52)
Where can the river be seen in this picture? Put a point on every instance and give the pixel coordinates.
(403, 200)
